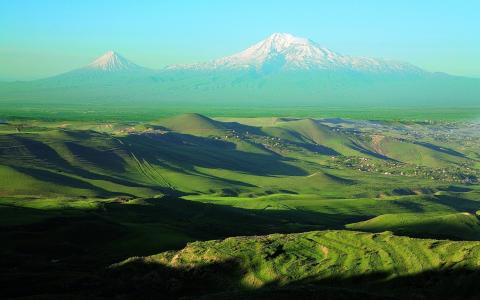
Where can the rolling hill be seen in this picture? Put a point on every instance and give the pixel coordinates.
(462, 226)
(194, 124)
(194, 153)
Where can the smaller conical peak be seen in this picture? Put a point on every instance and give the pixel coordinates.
(110, 55)
(112, 61)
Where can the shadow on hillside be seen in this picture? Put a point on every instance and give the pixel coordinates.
(179, 217)
(457, 203)
(137, 279)
(177, 152)
(72, 182)
(141, 227)
(66, 253)
(60, 253)
(203, 221)
(189, 152)
(410, 206)
(459, 283)
(43, 152)
(444, 150)
(362, 149)
(60, 179)
(108, 160)
(316, 148)
(46, 156)
(242, 128)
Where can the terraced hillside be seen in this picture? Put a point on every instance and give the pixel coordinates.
(322, 265)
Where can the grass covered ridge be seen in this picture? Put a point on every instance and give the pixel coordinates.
(239, 266)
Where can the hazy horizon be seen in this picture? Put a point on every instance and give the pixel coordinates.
(44, 39)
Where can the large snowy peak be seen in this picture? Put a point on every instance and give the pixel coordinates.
(284, 51)
(296, 53)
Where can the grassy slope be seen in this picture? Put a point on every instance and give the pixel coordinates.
(416, 154)
(311, 131)
(463, 226)
(90, 163)
(74, 163)
(285, 261)
(194, 124)
(334, 212)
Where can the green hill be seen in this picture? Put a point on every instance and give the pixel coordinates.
(416, 153)
(310, 130)
(194, 124)
(263, 267)
(463, 226)
(313, 132)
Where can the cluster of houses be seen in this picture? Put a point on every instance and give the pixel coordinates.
(456, 174)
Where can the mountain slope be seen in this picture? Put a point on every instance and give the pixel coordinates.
(110, 69)
(112, 62)
(283, 51)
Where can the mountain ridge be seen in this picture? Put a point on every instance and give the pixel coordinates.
(289, 52)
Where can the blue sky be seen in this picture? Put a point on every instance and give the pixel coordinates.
(42, 38)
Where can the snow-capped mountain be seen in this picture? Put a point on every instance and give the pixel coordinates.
(112, 62)
(109, 68)
(283, 51)
(282, 69)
